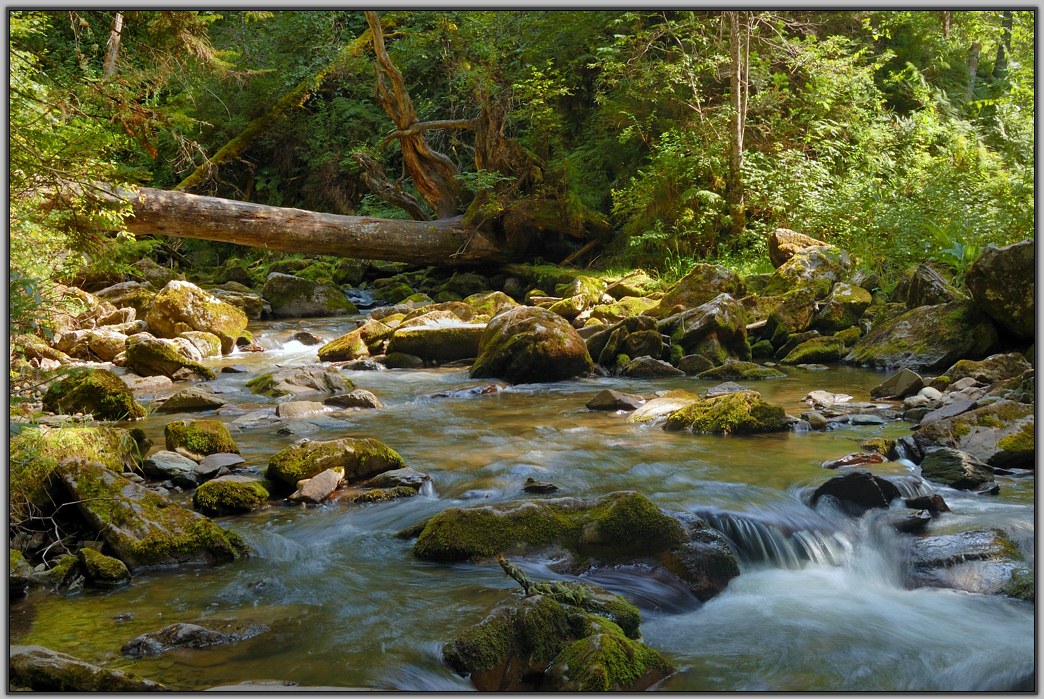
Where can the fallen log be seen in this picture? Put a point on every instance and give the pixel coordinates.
(445, 242)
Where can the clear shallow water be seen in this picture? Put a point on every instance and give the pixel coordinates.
(818, 606)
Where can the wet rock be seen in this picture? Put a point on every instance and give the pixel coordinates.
(784, 243)
(702, 284)
(716, 329)
(930, 337)
(816, 420)
(295, 410)
(707, 562)
(95, 391)
(855, 459)
(295, 297)
(981, 561)
(922, 286)
(866, 419)
(230, 494)
(528, 344)
(947, 411)
(633, 336)
(181, 306)
(183, 635)
(198, 438)
(898, 386)
(842, 309)
(101, 570)
(955, 469)
(399, 478)
(933, 504)
(401, 360)
(857, 491)
(299, 381)
(40, 669)
(826, 399)
(364, 365)
(170, 465)
(613, 400)
(359, 398)
(472, 392)
(729, 413)
(649, 368)
(356, 344)
(235, 369)
(211, 464)
(662, 406)
(319, 487)
(723, 388)
(144, 529)
(360, 458)
(997, 367)
(307, 338)
(1002, 283)
(1000, 434)
(442, 343)
(694, 364)
(244, 299)
(193, 398)
(740, 371)
(541, 487)
(150, 356)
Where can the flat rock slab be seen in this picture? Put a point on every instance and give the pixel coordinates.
(320, 487)
(184, 636)
(295, 410)
(955, 408)
(614, 400)
(43, 670)
(172, 465)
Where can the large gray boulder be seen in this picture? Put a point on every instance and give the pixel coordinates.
(181, 306)
(1002, 284)
(716, 330)
(294, 297)
(528, 344)
(703, 283)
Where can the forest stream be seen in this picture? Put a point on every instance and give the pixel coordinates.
(820, 603)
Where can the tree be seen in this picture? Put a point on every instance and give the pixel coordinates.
(739, 44)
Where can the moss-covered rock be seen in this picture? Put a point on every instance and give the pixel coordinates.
(527, 344)
(922, 286)
(792, 314)
(624, 307)
(607, 661)
(43, 670)
(740, 371)
(816, 350)
(199, 438)
(633, 336)
(300, 380)
(490, 304)
(443, 342)
(842, 309)
(36, 451)
(703, 283)
(930, 337)
(355, 344)
(360, 459)
(206, 343)
(182, 306)
(385, 494)
(955, 469)
(144, 529)
(849, 336)
(295, 297)
(132, 294)
(814, 267)
(570, 307)
(97, 345)
(150, 356)
(242, 298)
(716, 329)
(95, 391)
(742, 412)
(784, 243)
(997, 367)
(230, 495)
(101, 570)
(999, 434)
(1002, 284)
(662, 406)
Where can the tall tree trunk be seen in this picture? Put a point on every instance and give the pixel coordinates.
(739, 43)
(435, 175)
(446, 242)
(1000, 66)
(973, 70)
(112, 47)
(947, 19)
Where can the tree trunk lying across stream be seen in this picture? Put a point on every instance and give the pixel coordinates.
(445, 242)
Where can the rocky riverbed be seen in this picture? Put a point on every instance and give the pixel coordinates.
(690, 478)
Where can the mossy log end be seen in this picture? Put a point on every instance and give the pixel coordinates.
(446, 242)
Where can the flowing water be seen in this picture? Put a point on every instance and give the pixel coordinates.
(819, 604)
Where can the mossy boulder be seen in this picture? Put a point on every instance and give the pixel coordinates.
(356, 344)
(300, 380)
(1002, 284)
(206, 343)
(922, 286)
(740, 371)
(551, 641)
(467, 283)
(32, 347)
(95, 391)
(527, 344)
(385, 494)
(784, 243)
(144, 529)
(624, 307)
(703, 283)
(570, 307)
(230, 495)
(955, 469)
(662, 406)
(842, 309)
(360, 458)
(182, 306)
(716, 329)
(816, 267)
(927, 337)
(444, 342)
(997, 367)
(817, 350)
(131, 294)
(96, 345)
(1000, 434)
(199, 438)
(150, 356)
(101, 570)
(793, 314)
(742, 412)
(244, 299)
(296, 297)
(36, 451)
(634, 337)
(40, 669)
(490, 304)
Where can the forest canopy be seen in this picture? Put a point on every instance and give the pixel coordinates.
(649, 138)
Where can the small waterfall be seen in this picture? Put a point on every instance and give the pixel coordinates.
(427, 489)
(789, 543)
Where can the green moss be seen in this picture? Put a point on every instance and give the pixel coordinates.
(94, 391)
(741, 371)
(848, 336)
(606, 661)
(489, 304)
(1021, 443)
(103, 569)
(743, 412)
(346, 347)
(182, 303)
(200, 437)
(63, 569)
(17, 560)
(224, 496)
(360, 459)
(880, 445)
(1021, 586)
(617, 524)
(816, 350)
(385, 494)
(149, 356)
